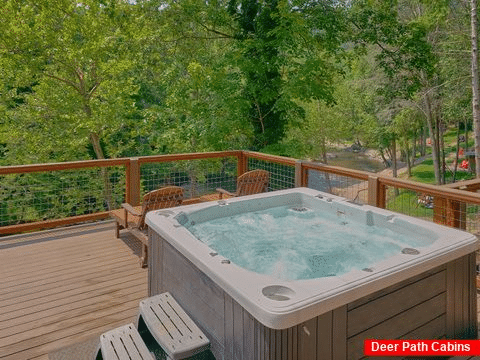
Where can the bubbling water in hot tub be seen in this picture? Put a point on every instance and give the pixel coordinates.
(295, 242)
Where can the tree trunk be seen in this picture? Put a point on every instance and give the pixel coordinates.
(457, 153)
(408, 159)
(441, 144)
(466, 136)
(432, 124)
(386, 163)
(95, 141)
(394, 157)
(475, 86)
(193, 182)
(395, 166)
(325, 161)
(414, 147)
(423, 145)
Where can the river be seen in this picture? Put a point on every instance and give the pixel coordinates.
(347, 159)
(355, 160)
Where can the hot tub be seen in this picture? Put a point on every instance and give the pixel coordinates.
(419, 284)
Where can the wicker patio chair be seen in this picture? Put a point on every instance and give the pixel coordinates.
(133, 218)
(249, 183)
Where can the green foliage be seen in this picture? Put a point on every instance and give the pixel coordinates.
(125, 78)
(322, 126)
(405, 48)
(52, 195)
(424, 172)
(73, 66)
(284, 55)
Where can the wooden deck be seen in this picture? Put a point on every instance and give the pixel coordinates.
(61, 287)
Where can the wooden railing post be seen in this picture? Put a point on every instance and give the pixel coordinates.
(301, 174)
(242, 163)
(449, 212)
(132, 182)
(376, 192)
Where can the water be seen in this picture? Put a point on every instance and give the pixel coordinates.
(357, 161)
(291, 244)
(348, 159)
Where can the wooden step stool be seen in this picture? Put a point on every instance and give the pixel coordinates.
(123, 343)
(171, 327)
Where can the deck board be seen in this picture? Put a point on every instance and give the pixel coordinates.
(64, 286)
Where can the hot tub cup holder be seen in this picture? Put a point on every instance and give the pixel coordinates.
(165, 213)
(278, 292)
(181, 218)
(410, 251)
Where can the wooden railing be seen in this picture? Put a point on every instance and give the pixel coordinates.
(132, 191)
(450, 207)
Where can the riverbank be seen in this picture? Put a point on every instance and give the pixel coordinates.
(366, 160)
(358, 159)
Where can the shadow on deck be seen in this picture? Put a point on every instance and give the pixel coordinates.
(64, 286)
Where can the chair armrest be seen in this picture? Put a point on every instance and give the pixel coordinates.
(222, 191)
(131, 209)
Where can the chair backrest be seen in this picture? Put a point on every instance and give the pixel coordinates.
(252, 182)
(165, 197)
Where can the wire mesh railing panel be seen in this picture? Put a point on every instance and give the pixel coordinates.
(48, 195)
(197, 177)
(409, 202)
(441, 210)
(344, 186)
(31, 197)
(282, 176)
(472, 218)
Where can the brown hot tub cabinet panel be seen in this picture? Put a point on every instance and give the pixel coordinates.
(440, 303)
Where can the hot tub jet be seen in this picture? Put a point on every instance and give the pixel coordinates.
(299, 208)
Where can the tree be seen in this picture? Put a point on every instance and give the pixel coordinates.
(407, 124)
(287, 52)
(73, 84)
(72, 64)
(202, 108)
(322, 127)
(276, 51)
(407, 34)
(475, 85)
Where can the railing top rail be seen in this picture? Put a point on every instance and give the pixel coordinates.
(187, 156)
(470, 185)
(272, 158)
(434, 190)
(449, 192)
(357, 174)
(19, 169)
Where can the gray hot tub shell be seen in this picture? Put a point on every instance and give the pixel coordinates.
(255, 315)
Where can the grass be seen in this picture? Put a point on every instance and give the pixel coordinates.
(407, 203)
(450, 140)
(424, 173)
